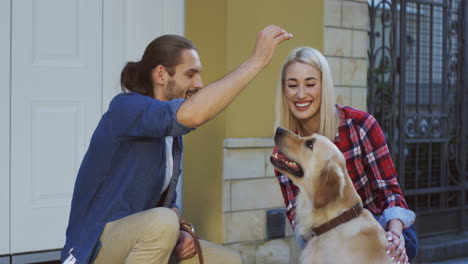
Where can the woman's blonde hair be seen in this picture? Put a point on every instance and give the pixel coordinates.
(328, 116)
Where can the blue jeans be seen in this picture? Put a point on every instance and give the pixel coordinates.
(411, 242)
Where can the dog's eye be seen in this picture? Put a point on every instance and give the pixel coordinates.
(309, 143)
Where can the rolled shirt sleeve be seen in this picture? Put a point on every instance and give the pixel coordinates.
(406, 216)
(135, 115)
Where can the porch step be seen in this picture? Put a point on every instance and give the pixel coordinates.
(442, 247)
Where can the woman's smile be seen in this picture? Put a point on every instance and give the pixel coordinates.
(303, 105)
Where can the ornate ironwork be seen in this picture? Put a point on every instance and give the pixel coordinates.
(417, 93)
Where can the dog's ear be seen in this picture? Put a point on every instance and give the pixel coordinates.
(328, 185)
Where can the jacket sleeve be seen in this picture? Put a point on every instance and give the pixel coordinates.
(133, 115)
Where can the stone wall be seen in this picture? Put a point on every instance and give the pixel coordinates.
(346, 39)
(250, 189)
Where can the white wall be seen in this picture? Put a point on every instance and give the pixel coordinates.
(5, 127)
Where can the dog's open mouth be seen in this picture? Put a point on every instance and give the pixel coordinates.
(281, 162)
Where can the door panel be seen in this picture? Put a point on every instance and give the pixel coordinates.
(66, 61)
(5, 130)
(56, 103)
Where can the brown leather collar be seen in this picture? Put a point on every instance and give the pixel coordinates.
(346, 216)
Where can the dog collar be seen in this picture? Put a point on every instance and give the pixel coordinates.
(346, 216)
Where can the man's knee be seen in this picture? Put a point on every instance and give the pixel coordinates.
(162, 222)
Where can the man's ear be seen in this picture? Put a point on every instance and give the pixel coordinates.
(328, 185)
(159, 75)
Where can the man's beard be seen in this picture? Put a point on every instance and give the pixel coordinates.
(172, 92)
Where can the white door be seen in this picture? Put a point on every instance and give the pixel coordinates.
(4, 128)
(129, 26)
(56, 95)
(66, 61)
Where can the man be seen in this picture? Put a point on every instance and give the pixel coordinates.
(116, 214)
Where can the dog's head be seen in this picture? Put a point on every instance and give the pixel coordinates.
(313, 163)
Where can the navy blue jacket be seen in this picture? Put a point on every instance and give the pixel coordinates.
(123, 170)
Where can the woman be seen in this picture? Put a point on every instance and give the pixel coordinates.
(305, 103)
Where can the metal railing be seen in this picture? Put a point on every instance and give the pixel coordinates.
(418, 95)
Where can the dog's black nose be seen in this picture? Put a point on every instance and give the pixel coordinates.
(280, 131)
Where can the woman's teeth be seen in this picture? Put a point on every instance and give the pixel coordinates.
(303, 104)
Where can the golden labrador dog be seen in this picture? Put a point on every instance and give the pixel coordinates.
(329, 211)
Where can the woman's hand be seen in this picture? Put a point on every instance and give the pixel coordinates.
(185, 247)
(396, 250)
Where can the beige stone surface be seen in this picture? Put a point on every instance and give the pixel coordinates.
(354, 72)
(343, 95)
(288, 229)
(244, 226)
(273, 252)
(359, 98)
(270, 169)
(360, 43)
(248, 143)
(337, 42)
(332, 15)
(295, 250)
(246, 250)
(255, 194)
(226, 196)
(335, 67)
(259, 252)
(355, 15)
(239, 163)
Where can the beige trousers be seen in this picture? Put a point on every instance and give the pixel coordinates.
(149, 237)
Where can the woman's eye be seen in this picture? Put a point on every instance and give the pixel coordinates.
(292, 86)
(311, 85)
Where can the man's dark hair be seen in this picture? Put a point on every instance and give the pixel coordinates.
(166, 51)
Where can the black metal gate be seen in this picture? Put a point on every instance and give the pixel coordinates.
(418, 94)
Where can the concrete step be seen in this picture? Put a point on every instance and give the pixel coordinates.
(450, 261)
(452, 247)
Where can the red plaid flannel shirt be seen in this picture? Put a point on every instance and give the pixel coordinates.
(368, 161)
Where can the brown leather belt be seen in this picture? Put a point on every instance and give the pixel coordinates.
(187, 227)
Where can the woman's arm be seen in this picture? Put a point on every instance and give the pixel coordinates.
(382, 175)
(387, 197)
